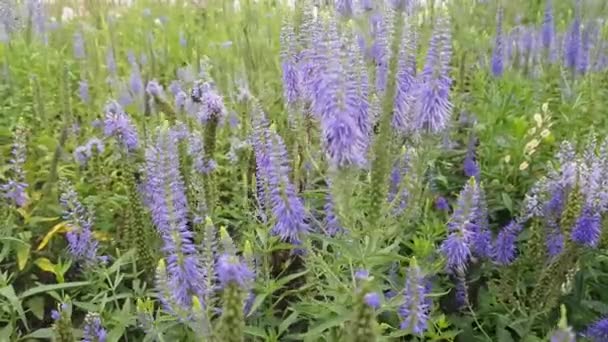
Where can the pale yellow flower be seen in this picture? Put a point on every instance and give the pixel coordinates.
(507, 159)
(539, 120)
(523, 166)
(545, 133)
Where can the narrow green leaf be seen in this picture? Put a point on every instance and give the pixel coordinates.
(52, 287)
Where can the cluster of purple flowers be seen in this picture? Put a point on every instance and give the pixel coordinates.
(415, 309)
(581, 47)
(118, 124)
(469, 235)
(548, 200)
(83, 153)
(169, 208)
(93, 330)
(82, 246)
(14, 190)
(276, 191)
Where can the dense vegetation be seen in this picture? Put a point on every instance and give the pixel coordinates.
(353, 171)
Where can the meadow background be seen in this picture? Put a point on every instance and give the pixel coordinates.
(349, 171)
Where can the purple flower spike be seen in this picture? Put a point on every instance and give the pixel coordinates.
(155, 89)
(442, 204)
(83, 91)
(415, 309)
(587, 229)
(210, 104)
(81, 244)
(93, 330)
(344, 8)
(498, 54)
(432, 107)
(373, 300)
(166, 193)
(15, 188)
(504, 248)
(118, 124)
(548, 30)
(232, 270)
(598, 331)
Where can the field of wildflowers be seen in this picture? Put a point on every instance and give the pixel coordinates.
(348, 170)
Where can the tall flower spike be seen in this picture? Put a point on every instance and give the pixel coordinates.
(83, 91)
(62, 325)
(415, 309)
(344, 8)
(504, 249)
(235, 278)
(209, 103)
(572, 44)
(169, 208)
(363, 327)
(471, 169)
(598, 331)
(432, 106)
(287, 208)
(498, 53)
(332, 222)
(15, 188)
(260, 143)
(406, 78)
(291, 73)
(468, 231)
(93, 330)
(81, 243)
(563, 333)
(548, 30)
(118, 124)
(337, 101)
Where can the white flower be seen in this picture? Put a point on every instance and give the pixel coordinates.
(67, 14)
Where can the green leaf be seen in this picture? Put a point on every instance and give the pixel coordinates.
(23, 255)
(255, 331)
(257, 302)
(44, 333)
(10, 294)
(36, 306)
(288, 322)
(290, 277)
(6, 332)
(52, 287)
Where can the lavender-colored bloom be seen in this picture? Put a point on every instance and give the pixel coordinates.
(287, 207)
(154, 89)
(79, 51)
(367, 5)
(362, 274)
(344, 7)
(468, 231)
(80, 155)
(588, 228)
(210, 103)
(432, 108)
(504, 248)
(372, 299)
(548, 30)
(397, 188)
(83, 91)
(405, 81)
(81, 244)
(415, 309)
(442, 204)
(175, 87)
(15, 188)
(232, 270)
(118, 124)
(332, 223)
(583, 59)
(572, 44)
(169, 208)
(498, 53)
(291, 82)
(471, 169)
(93, 330)
(37, 17)
(338, 102)
(15, 192)
(598, 331)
